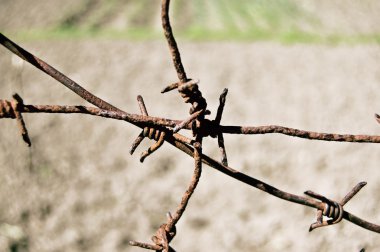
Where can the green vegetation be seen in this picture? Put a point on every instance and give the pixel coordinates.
(216, 20)
(197, 33)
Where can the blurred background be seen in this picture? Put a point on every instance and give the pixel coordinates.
(312, 65)
(280, 20)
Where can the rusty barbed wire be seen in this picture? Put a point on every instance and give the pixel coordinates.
(151, 132)
(218, 118)
(12, 109)
(300, 133)
(176, 56)
(190, 92)
(162, 129)
(167, 231)
(332, 209)
(178, 141)
(57, 75)
(209, 129)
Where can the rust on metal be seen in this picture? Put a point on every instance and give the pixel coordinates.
(300, 133)
(13, 109)
(152, 133)
(176, 56)
(170, 87)
(162, 129)
(332, 209)
(17, 104)
(193, 184)
(57, 75)
(217, 120)
(187, 121)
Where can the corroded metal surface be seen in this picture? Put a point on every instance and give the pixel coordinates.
(162, 129)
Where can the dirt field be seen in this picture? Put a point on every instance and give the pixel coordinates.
(78, 189)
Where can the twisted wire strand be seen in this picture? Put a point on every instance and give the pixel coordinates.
(154, 134)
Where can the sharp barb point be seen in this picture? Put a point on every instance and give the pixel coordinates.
(170, 87)
(363, 183)
(308, 192)
(377, 116)
(176, 129)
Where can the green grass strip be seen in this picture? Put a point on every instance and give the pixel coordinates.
(197, 33)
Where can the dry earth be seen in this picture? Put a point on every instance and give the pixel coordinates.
(78, 189)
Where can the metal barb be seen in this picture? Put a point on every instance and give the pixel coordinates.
(353, 192)
(222, 149)
(170, 87)
(17, 105)
(151, 133)
(136, 143)
(13, 109)
(218, 118)
(187, 121)
(145, 245)
(155, 146)
(142, 106)
(222, 102)
(377, 118)
(332, 209)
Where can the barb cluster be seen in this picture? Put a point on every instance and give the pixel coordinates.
(191, 94)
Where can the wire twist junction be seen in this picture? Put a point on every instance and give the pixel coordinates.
(12, 109)
(332, 209)
(154, 133)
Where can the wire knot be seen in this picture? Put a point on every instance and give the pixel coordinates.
(154, 134)
(190, 93)
(149, 132)
(199, 125)
(163, 237)
(12, 109)
(332, 209)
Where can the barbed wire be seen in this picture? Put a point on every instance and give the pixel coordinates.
(166, 130)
